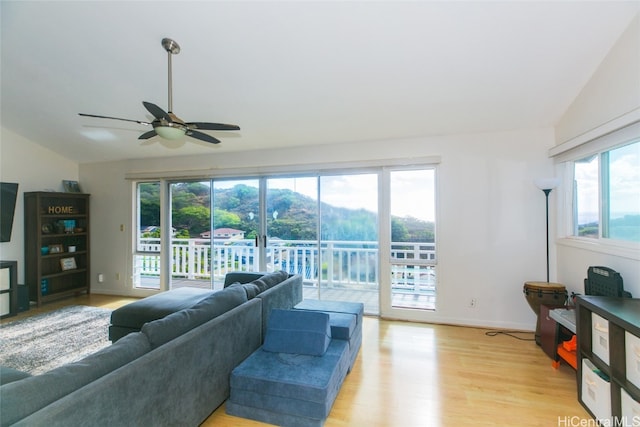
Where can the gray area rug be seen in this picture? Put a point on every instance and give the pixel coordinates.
(43, 342)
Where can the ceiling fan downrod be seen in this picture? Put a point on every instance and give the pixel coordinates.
(172, 48)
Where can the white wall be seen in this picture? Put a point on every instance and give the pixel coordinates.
(491, 224)
(612, 93)
(34, 168)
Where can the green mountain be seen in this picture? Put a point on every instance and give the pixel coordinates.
(296, 217)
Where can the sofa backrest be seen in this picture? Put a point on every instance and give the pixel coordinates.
(242, 277)
(268, 278)
(177, 384)
(24, 397)
(172, 326)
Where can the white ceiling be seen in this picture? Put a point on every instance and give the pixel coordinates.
(294, 73)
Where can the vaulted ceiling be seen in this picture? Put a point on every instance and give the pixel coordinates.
(294, 73)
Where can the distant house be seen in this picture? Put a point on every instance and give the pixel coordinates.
(152, 228)
(223, 233)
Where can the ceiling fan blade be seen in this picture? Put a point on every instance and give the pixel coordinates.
(202, 136)
(212, 126)
(114, 118)
(157, 112)
(148, 135)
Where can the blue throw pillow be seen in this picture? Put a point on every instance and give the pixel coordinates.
(298, 332)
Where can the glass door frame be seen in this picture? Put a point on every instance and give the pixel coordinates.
(384, 218)
(386, 260)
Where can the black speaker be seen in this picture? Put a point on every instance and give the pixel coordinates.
(23, 298)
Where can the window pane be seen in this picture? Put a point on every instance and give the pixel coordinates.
(349, 239)
(413, 247)
(586, 214)
(191, 235)
(236, 225)
(623, 219)
(147, 257)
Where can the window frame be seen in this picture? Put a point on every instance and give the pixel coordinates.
(565, 160)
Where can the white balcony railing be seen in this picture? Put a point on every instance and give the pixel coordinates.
(352, 265)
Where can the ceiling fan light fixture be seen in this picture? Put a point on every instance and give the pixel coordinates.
(170, 132)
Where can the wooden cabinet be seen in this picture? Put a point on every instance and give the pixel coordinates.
(608, 331)
(8, 288)
(57, 245)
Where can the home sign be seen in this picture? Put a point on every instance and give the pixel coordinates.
(59, 210)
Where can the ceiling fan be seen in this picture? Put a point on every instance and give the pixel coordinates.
(166, 124)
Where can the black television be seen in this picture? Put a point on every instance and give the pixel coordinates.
(8, 196)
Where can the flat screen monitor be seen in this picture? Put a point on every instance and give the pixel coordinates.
(8, 196)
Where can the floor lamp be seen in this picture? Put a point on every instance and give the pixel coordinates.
(546, 185)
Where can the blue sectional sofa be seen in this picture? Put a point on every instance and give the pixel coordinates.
(174, 371)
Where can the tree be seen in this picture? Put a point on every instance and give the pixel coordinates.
(149, 203)
(399, 232)
(194, 218)
(297, 214)
(222, 218)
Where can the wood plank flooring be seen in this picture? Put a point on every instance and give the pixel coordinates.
(412, 374)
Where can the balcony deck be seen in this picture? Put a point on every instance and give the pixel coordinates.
(414, 300)
(346, 270)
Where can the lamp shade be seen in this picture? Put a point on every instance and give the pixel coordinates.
(170, 132)
(547, 183)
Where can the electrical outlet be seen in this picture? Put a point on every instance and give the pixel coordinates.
(473, 303)
(117, 276)
(121, 227)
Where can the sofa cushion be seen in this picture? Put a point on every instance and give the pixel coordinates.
(269, 280)
(251, 289)
(342, 325)
(138, 313)
(164, 330)
(298, 332)
(298, 385)
(355, 308)
(48, 387)
(260, 284)
(9, 375)
(241, 277)
(274, 278)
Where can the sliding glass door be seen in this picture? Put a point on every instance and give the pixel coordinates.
(349, 239)
(367, 236)
(410, 270)
(190, 244)
(236, 227)
(146, 252)
(291, 220)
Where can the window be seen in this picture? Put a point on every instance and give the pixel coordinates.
(606, 199)
(147, 243)
(324, 225)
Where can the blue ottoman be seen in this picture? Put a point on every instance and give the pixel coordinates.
(345, 319)
(288, 389)
(294, 378)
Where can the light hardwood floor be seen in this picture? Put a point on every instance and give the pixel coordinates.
(412, 374)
